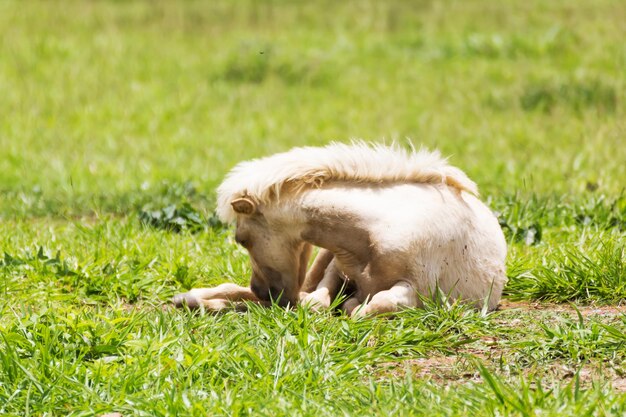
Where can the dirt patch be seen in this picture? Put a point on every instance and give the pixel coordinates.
(619, 384)
(590, 373)
(585, 310)
(436, 368)
(462, 368)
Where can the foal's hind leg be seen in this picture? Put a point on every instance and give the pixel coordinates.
(400, 296)
(216, 298)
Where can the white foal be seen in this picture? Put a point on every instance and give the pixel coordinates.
(393, 225)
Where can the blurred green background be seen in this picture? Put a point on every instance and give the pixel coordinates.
(103, 105)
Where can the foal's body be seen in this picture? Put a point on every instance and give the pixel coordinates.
(390, 240)
(407, 238)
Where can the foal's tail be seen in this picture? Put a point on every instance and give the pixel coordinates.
(456, 178)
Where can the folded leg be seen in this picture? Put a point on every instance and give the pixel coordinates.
(215, 298)
(316, 273)
(401, 295)
(228, 294)
(326, 290)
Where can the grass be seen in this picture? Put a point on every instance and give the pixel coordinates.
(119, 119)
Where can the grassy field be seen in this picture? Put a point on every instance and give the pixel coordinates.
(119, 118)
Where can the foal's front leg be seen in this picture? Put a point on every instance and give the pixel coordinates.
(326, 290)
(316, 273)
(401, 295)
(216, 298)
(224, 295)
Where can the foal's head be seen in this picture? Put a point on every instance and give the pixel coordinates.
(278, 255)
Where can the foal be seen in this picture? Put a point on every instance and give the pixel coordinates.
(392, 224)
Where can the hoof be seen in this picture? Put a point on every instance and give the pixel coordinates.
(359, 312)
(185, 299)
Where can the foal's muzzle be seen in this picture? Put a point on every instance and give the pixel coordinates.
(271, 294)
(273, 291)
(260, 291)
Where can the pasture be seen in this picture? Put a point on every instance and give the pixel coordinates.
(118, 119)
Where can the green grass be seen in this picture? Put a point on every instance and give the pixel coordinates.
(119, 118)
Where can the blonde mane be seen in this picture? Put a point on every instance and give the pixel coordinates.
(290, 172)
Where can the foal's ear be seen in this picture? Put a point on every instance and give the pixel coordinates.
(243, 205)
